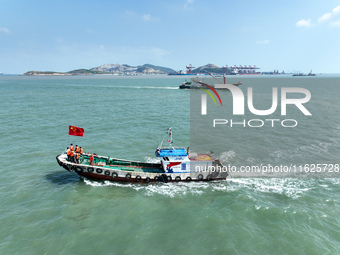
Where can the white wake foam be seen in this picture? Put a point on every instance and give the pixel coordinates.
(293, 188)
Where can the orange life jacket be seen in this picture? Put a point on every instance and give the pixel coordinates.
(72, 148)
(68, 152)
(77, 149)
(77, 155)
(81, 150)
(72, 153)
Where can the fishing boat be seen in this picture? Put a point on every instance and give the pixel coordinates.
(195, 83)
(176, 164)
(186, 85)
(311, 74)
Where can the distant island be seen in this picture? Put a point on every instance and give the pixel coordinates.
(111, 69)
(118, 69)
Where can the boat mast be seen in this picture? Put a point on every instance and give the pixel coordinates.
(214, 77)
(169, 131)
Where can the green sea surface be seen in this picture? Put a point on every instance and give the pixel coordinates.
(47, 210)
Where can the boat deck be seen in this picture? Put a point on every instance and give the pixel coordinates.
(119, 164)
(201, 157)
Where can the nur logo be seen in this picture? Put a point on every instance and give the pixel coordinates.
(238, 100)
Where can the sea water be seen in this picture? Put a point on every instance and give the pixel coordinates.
(47, 210)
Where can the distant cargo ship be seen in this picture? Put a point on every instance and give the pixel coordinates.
(302, 74)
(242, 70)
(228, 70)
(257, 73)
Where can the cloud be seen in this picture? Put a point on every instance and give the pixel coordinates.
(324, 17)
(336, 10)
(188, 3)
(129, 14)
(304, 23)
(331, 18)
(133, 15)
(4, 30)
(146, 17)
(266, 41)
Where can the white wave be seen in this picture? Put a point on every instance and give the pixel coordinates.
(219, 186)
(165, 189)
(227, 156)
(178, 189)
(302, 151)
(108, 183)
(144, 87)
(121, 87)
(251, 160)
(293, 188)
(147, 87)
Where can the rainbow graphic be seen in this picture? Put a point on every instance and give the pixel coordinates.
(211, 95)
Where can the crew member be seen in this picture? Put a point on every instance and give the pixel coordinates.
(81, 151)
(77, 149)
(91, 159)
(72, 156)
(68, 153)
(71, 147)
(77, 158)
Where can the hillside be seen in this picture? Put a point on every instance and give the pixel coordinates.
(208, 68)
(130, 70)
(115, 69)
(160, 68)
(118, 69)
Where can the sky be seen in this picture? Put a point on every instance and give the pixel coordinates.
(290, 35)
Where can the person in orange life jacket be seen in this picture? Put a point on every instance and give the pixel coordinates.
(81, 151)
(77, 149)
(77, 158)
(71, 147)
(72, 156)
(68, 153)
(91, 159)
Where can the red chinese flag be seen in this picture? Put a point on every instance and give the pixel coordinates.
(77, 131)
